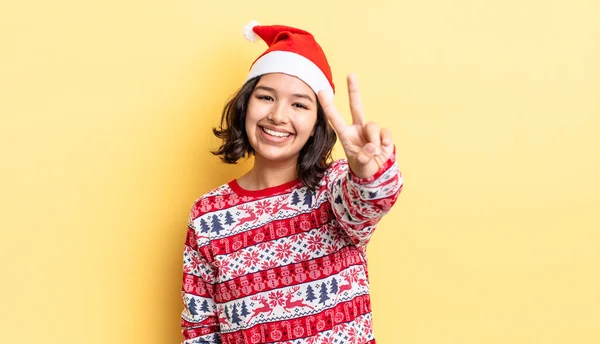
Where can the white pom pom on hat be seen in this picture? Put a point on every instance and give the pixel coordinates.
(249, 32)
(291, 51)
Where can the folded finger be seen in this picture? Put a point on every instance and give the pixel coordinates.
(372, 133)
(386, 137)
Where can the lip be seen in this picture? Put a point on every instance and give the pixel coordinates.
(276, 129)
(274, 139)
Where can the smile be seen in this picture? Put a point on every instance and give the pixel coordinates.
(275, 133)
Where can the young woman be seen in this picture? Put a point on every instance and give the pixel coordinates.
(278, 255)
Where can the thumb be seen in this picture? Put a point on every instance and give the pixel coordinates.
(366, 153)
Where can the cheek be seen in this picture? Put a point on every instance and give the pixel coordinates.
(310, 125)
(251, 116)
(255, 112)
(306, 123)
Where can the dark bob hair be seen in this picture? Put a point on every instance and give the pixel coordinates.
(314, 157)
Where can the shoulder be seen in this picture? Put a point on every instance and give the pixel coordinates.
(202, 211)
(337, 169)
(208, 202)
(337, 166)
(334, 173)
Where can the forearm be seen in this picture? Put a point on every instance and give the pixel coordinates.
(359, 204)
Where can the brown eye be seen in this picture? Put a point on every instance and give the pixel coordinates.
(268, 98)
(300, 105)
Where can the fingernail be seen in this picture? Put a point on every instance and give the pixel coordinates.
(370, 149)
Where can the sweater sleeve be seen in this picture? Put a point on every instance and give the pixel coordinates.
(199, 319)
(359, 203)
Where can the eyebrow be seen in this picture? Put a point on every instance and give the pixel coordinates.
(297, 95)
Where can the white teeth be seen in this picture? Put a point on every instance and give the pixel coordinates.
(275, 133)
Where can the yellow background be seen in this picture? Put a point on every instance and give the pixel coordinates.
(106, 109)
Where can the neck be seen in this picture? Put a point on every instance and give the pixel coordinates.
(266, 174)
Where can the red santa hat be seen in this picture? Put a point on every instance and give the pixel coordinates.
(291, 51)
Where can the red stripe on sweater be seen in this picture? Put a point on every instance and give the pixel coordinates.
(301, 327)
(299, 223)
(208, 326)
(289, 275)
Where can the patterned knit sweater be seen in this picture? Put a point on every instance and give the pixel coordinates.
(284, 264)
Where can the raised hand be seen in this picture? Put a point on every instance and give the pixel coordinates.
(367, 146)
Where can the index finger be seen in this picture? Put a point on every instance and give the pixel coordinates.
(331, 112)
(356, 105)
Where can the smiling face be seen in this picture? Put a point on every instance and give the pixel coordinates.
(280, 117)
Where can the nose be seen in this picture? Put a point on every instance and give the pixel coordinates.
(278, 114)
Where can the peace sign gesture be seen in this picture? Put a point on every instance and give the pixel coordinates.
(367, 146)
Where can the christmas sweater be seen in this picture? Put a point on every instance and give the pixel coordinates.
(284, 264)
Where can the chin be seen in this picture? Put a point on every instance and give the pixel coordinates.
(276, 156)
